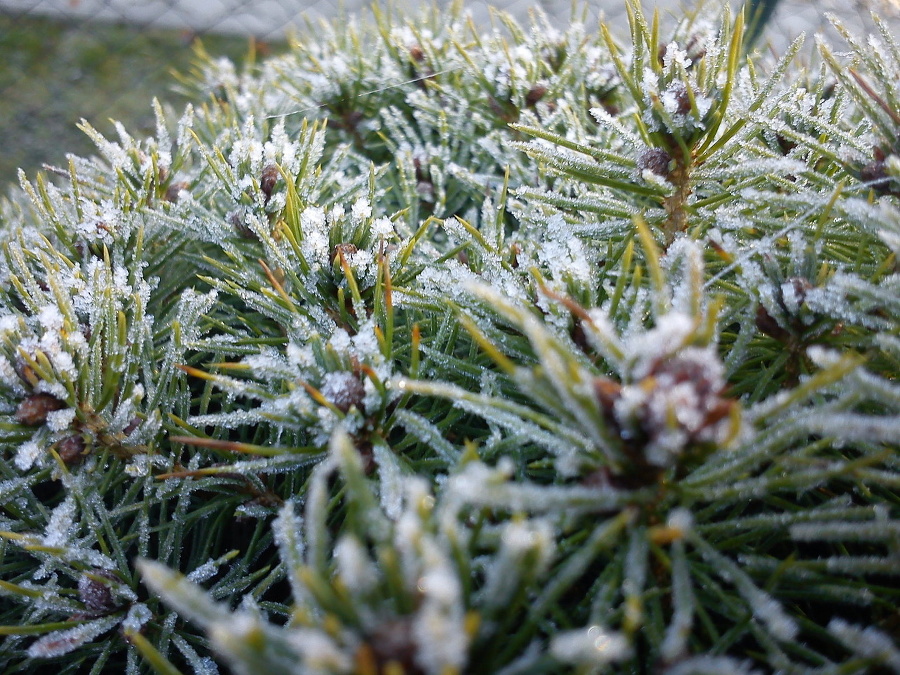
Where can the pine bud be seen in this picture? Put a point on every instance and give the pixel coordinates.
(393, 643)
(33, 410)
(535, 94)
(344, 390)
(174, 190)
(71, 450)
(132, 426)
(655, 160)
(96, 595)
(268, 179)
(236, 220)
(416, 53)
(683, 102)
(768, 325)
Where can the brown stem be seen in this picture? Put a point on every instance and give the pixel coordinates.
(676, 204)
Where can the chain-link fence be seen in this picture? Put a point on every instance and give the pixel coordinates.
(64, 60)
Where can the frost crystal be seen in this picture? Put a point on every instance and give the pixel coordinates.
(676, 400)
(138, 616)
(65, 641)
(59, 420)
(62, 524)
(27, 454)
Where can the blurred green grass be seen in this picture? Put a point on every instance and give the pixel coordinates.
(54, 73)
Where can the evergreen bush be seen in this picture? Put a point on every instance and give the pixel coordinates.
(422, 350)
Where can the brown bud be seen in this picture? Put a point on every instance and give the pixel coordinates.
(71, 450)
(133, 424)
(535, 94)
(367, 455)
(784, 144)
(268, 179)
(174, 190)
(236, 220)
(416, 53)
(873, 171)
(94, 594)
(801, 287)
(393, 642)
(768, 325)
(694, 49)
(344, 390)
(33, 410)
(655, 160)
(506, 111)
(423, 170)
(679, 89)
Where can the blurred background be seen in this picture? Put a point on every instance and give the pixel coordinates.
(64, 60)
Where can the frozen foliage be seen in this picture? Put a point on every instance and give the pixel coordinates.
(415, 350)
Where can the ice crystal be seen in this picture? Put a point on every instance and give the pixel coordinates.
(28, 453)
(65, 641)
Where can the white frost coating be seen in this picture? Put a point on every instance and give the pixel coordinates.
(769, 611)
(383, 227)
(823, 357)
(59, 420)
(868, 642)
(392, 485)
(301, 356)
(336, 214)
(364, 267)
(354, 566)
(671, 398)
(681, 520)
(64, 641)
(201, 665)
(880, 529)
(61, 525)
(318, 652)
(205, 571)
(671, 333)
(138, 615)
(10, 323)
(592, 646)
(707, 665)
(27, 454)
(522, 537)
(51, 318)
(562, 253)
(361, 210)
(439, 629)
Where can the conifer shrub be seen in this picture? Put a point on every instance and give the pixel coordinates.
(424, 350)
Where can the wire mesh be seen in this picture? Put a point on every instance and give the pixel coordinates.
(64, 60)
